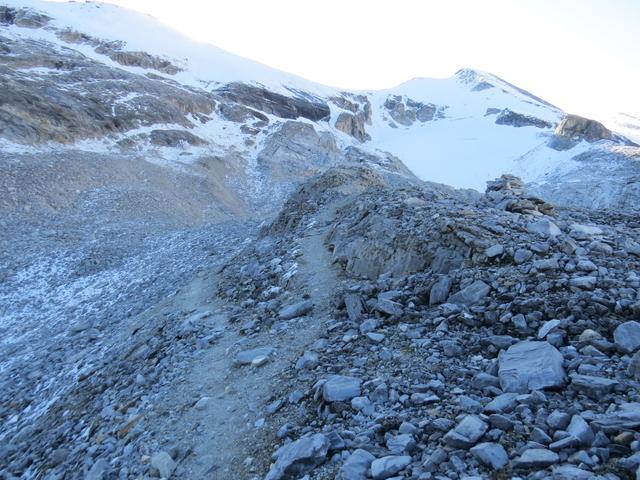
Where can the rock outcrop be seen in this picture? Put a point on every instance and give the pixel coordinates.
(406, 111)
(289, 107)
(515, 119)
(577, 127)
(352, 125)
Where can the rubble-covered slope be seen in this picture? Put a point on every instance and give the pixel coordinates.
(468, 338)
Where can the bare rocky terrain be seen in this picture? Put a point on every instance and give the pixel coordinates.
(208, 279)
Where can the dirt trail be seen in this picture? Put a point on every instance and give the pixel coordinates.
(216, 438)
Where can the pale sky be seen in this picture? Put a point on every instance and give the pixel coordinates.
(581, 55)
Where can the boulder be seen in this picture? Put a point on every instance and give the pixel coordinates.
(545, 228)
(592, 386)
(298, 457)
(440, 290)
(356, 467)
(536, 458)
(295, 310)
(626, 337)
(247, 357)
(340, 388)
(491, 454)
(470, 295)
(577, 127)
(530, 365)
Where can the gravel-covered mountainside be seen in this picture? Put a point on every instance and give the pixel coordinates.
(463, 338)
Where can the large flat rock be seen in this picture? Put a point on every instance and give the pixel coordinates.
(528, 366)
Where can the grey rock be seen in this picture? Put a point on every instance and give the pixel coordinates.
(471, 295)
(584, 282)
(375, 337)
(545, 228)
(547, 327)
(529, 365)
(295, 310)
(502, 403)
(356, 467)
(368, 325)
(592, 386)
(581, 430)
(389, 307)
(402, 443)
(308, 360)
(522, 255)
(536, 458)
(626, 337)
(247, 357)
(440, 290)
(494, 251)
(163, 462)
(97, 470)
(466, 433)
(353, 304)
(298, 457)
(626, 417)
(491, 454)
(340, 388)
(388, 466)
(558, 420)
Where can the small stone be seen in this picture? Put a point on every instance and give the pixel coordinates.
(163, 462)
(295, 310)
(248, 356)
(494, 251)
(202, 403)
(388, 466)
(308, 361)
(558, 420)
(466, 433)
(356, 467)
(547, 327)
(522, 255)
(502, 403)
(491, 454)
(584, 283)
(536, 458)
(375, 337)
(402, 443)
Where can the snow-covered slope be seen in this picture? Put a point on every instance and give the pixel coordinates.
(461, 131)
(627, 125)
(203, 65)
